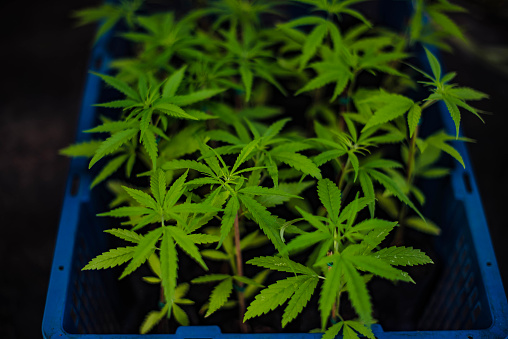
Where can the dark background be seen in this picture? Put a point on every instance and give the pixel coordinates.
(44, 64)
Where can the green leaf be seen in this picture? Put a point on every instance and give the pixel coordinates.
(434, 64)
(360, 328)
(173, 82)
(192, 98)
(413, 118)
(267, 222)
(402, 256)
(175, 192)
(150, 144)
(306, 240)
(397, 106)
(210, 278)
(368, 191)
(220, 295)
(274, 295)
(319, 81)
(439, 139)
(186, 243)
(300, 299)
(425, 226)
(143, 250)
(188, 164)
(299, 162)
(169, 267)
(214, 255)
(126, 211)
(333, 331)
(228, 219)
(141, 197)
(357, 291)
(84, 149)
(260, 190)
(111, 167)
(312, 42)
(112, 258)
(391, 186)
(173, 110)
(180, 315)
(118, 85)
(125, 235)
(203, 238)
(112, 143)
(281, 264)
(330, 288)
(379, 268)
(247, 79)
(152, 319)
(245, 154)
(247, 281)
(330, 197)
(158, 185)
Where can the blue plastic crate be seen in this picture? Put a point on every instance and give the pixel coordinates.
(468, 299)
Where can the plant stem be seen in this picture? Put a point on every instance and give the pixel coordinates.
(239, 272)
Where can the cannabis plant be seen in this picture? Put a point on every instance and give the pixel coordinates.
(219, 162)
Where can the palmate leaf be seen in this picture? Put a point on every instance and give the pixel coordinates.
(330, 197)
(210, 278)
(158, 185)
(397, 105)
(413, 118)
(192, 98)
(378, 267)
(228, 219)
(118, 85)
(245, 154)
(124, 234)
(247, 79)
(186, 244)
(142, 251)
(306, 240)
(180, 316)
(439, 140)
(266, 221)
(112, 258)
(320, 81)
(291, 189)
(174, 192)
(391, 186)
(273, 296)
(282, 264)
(111, 167)
(168, 267)
(312, 42)
(126, 211)
(357, 292)
(330, 288)
(173, 82)
(112, 143)
(402, 256)
(300, 299)
(299, 162)
(83, 149)
(152, 319)
(141, 197)
(150, 145)
(188, 164)
(220, 295)
(173, 110)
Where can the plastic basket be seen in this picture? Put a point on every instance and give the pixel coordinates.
(468, 299)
